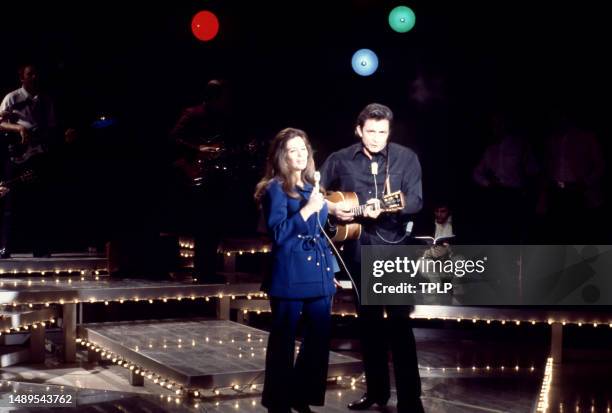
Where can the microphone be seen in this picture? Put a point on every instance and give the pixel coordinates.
(374, 168)
(317, 178)
(409, 227)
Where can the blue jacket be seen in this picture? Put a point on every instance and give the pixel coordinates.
(303, 263)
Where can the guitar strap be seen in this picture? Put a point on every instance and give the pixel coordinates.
(388, 189)
(387, 182)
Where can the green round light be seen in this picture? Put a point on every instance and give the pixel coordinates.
(402, 19)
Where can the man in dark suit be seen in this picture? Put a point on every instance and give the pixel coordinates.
(371, 168)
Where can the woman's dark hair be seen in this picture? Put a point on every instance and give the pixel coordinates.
(277, 166)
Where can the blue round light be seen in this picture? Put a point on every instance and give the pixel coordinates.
(364, 62)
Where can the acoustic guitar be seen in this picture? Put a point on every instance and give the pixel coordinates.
(345, 231)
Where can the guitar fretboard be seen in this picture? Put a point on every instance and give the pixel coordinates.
(358, 210)
(389, 203)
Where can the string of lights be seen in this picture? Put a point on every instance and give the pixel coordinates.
(136, 299)
(229, 253)
(546, 384)
(50, 271)
(29, 326)
(487, 321)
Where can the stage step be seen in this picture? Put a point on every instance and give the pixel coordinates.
(11, 355)
(26, 263)
(18, 318)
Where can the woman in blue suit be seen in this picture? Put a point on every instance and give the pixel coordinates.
(302, 279)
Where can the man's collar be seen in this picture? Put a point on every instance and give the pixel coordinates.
(25, 93)
(449, 221)
(359, 148)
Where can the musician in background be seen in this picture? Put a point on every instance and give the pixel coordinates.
(203, 127)
(200, 137)
(571, 197)
(370, 168)
(504, 174)
(30, 115)
(28, 111)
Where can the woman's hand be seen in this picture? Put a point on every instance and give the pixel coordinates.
(314, 205)
(316, 201)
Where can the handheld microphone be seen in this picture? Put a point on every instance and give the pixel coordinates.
(317, 178)
(374, 168)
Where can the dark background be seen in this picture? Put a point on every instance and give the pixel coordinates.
(289, 64)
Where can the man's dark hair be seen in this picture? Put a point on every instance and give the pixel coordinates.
(374, 111)
(438, 205)
(215, 89)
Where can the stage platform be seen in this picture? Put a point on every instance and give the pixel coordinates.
(64, 263)
(198, 354)
(70, 292)
(550, 315)
(16, 319)
(54, 289)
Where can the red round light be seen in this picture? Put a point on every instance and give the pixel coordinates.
(205, 25)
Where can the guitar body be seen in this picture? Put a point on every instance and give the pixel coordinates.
(202, 165)
(349, 230)
(25, 155)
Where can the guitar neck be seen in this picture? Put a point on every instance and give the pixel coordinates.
(389, 203)
(359, 211)
(22, 178)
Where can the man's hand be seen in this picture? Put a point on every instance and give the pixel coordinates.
(3, 191)
(341, 211)
(437, 252)
(70, 135)
(372, 209)
(25, 134)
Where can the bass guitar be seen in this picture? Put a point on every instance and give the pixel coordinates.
(5, 186)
